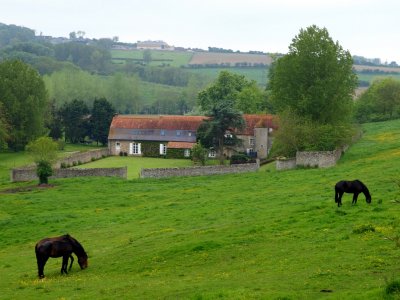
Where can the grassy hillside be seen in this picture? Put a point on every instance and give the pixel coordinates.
(264, 235)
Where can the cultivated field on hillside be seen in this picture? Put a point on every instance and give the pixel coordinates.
(264, 235)
(204, 58)
(360, 68)
(158, 58)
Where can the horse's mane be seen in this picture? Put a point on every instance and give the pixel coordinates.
(364, 187)
(76, 244)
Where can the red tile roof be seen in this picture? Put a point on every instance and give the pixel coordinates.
(157, 122)
(257, 121)
(189, 123)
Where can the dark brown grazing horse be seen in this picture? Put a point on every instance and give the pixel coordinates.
(354, 187)
(61, 246)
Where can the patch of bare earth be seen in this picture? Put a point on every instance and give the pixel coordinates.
(27, 188)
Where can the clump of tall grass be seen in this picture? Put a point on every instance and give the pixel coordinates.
(363, 228)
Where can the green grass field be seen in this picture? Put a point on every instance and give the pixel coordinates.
(371, 77)
(135, 164)
(264, 235)
(260, 75)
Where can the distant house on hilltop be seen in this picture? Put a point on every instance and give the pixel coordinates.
(159, 135)
(154, 45)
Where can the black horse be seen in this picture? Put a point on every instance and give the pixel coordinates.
(354, 187)
(61, 246)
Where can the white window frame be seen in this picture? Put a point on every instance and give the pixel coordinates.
(135, 148)
(186, 152)
(163, 149)
(228, 135)
(212, 153)
(117, 146)
(252, 141)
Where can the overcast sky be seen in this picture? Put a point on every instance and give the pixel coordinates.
(368, 28)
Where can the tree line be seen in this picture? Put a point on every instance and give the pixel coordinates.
(26, 112)
(315, 109)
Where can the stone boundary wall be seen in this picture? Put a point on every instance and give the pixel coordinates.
(320, 159)
(29, 174)
(285, 164)
(199, 171)
(82, 157)
(314, 159)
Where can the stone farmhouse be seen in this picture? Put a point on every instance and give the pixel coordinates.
(174, 136)
(154, 45)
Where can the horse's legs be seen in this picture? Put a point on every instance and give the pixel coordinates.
(355, 198)
(72, 260)
(64, 264)
(336, 196)
(41, 261)
(339, 201)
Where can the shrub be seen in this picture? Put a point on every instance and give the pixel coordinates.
(393, 287)
(74, 163)
(44, 171)
(299, 134)
(199, 154)
(63, 165)
(240, 159)
(61, 144)
(363, 228)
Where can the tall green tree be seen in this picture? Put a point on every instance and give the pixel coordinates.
(54, 123)
(315, 79)
(224, 119)
(252, 100)
(75, 118)
(4, 128)
(100, 120)
(314, 83)
(25, 101)
(380, 102)
(243, 94)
